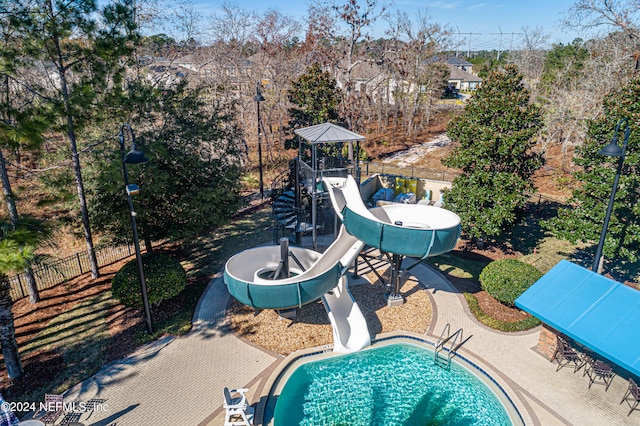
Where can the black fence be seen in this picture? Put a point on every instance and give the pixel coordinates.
(51, 273)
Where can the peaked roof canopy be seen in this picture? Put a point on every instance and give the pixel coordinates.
(328, 132)
(593, 310)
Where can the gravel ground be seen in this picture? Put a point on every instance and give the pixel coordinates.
(311, 326)
(418, 152)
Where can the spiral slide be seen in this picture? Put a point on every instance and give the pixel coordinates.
(404, 229)
(256, 278)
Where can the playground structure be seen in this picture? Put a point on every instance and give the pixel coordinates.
(264, 278)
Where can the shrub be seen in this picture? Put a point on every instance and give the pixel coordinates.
(164, 277)
(506, 279)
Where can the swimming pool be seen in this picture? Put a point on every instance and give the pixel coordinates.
(396, 384)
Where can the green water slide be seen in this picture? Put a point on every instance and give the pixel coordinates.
(414, 230)
(255, 277)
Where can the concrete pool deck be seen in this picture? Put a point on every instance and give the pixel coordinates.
(179, 380)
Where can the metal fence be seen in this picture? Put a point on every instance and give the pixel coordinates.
(51, 273)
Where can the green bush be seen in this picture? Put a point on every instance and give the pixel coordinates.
(164, 277)
(507, 279)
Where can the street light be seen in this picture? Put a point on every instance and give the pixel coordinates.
(259, 98)
(135, 157)
(612, 150)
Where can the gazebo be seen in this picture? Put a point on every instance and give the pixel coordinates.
(322, 134)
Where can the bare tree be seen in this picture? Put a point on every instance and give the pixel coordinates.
(344, 30)
(617, 15)
(530, 57)
(421, 78)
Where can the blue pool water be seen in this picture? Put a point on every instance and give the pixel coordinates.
(397, 384)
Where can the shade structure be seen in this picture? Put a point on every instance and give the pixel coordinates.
(595, 311)
(328, 132)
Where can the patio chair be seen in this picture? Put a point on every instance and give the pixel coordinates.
(597, 369)
(55, 408)
(566, 354)
(238, 412)
(632, 396)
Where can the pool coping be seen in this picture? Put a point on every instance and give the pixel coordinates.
(282, 369)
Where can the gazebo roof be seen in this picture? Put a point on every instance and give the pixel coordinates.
(328, 132)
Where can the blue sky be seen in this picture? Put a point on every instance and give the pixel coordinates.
(486, 18)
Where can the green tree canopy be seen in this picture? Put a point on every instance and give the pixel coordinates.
(315, 98)
(495, 136)
(583, 220)
(192, 180)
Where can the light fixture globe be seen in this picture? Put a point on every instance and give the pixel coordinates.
(612, 149)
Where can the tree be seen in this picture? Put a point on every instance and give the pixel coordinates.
(21, 120)
(495, 135)
(424, 78)
(315, 99)
(16, 251)
(619, 15)
(583, 220)
(82, 50)
(192, 180)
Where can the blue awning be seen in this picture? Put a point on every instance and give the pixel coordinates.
(595, 311)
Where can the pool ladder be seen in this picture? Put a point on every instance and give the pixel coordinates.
(454, 342)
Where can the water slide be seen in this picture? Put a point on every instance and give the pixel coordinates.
(264, 277)
(404, 229)
(255, 277)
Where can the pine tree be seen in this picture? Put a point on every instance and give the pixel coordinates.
(16, 250)
(83, 49)
(315, 98)
(495, 135)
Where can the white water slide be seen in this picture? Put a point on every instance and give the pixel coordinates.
(263, 278)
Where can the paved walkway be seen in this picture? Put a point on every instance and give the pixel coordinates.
(179, 381)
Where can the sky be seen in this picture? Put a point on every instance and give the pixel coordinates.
(494, 24)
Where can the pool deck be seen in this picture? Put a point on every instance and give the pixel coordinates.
(179, 380)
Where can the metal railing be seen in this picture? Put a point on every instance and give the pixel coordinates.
(54, 272)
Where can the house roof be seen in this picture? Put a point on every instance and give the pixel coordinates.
(458, 62)
(595, 311)
(328, 132)
(458, 74)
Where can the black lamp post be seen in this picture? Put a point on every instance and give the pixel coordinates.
(135, 157)
(259, 98)
(612, 150)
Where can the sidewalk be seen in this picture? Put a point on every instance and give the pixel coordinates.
(177, 380)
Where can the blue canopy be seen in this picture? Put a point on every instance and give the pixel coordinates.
(595, 311)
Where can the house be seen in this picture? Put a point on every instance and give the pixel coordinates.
(460, 64)
(463, 80)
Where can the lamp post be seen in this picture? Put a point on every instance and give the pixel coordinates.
(135, 157)
(612, 150)
(259, 98)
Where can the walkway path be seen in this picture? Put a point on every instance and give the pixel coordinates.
(179, 381)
